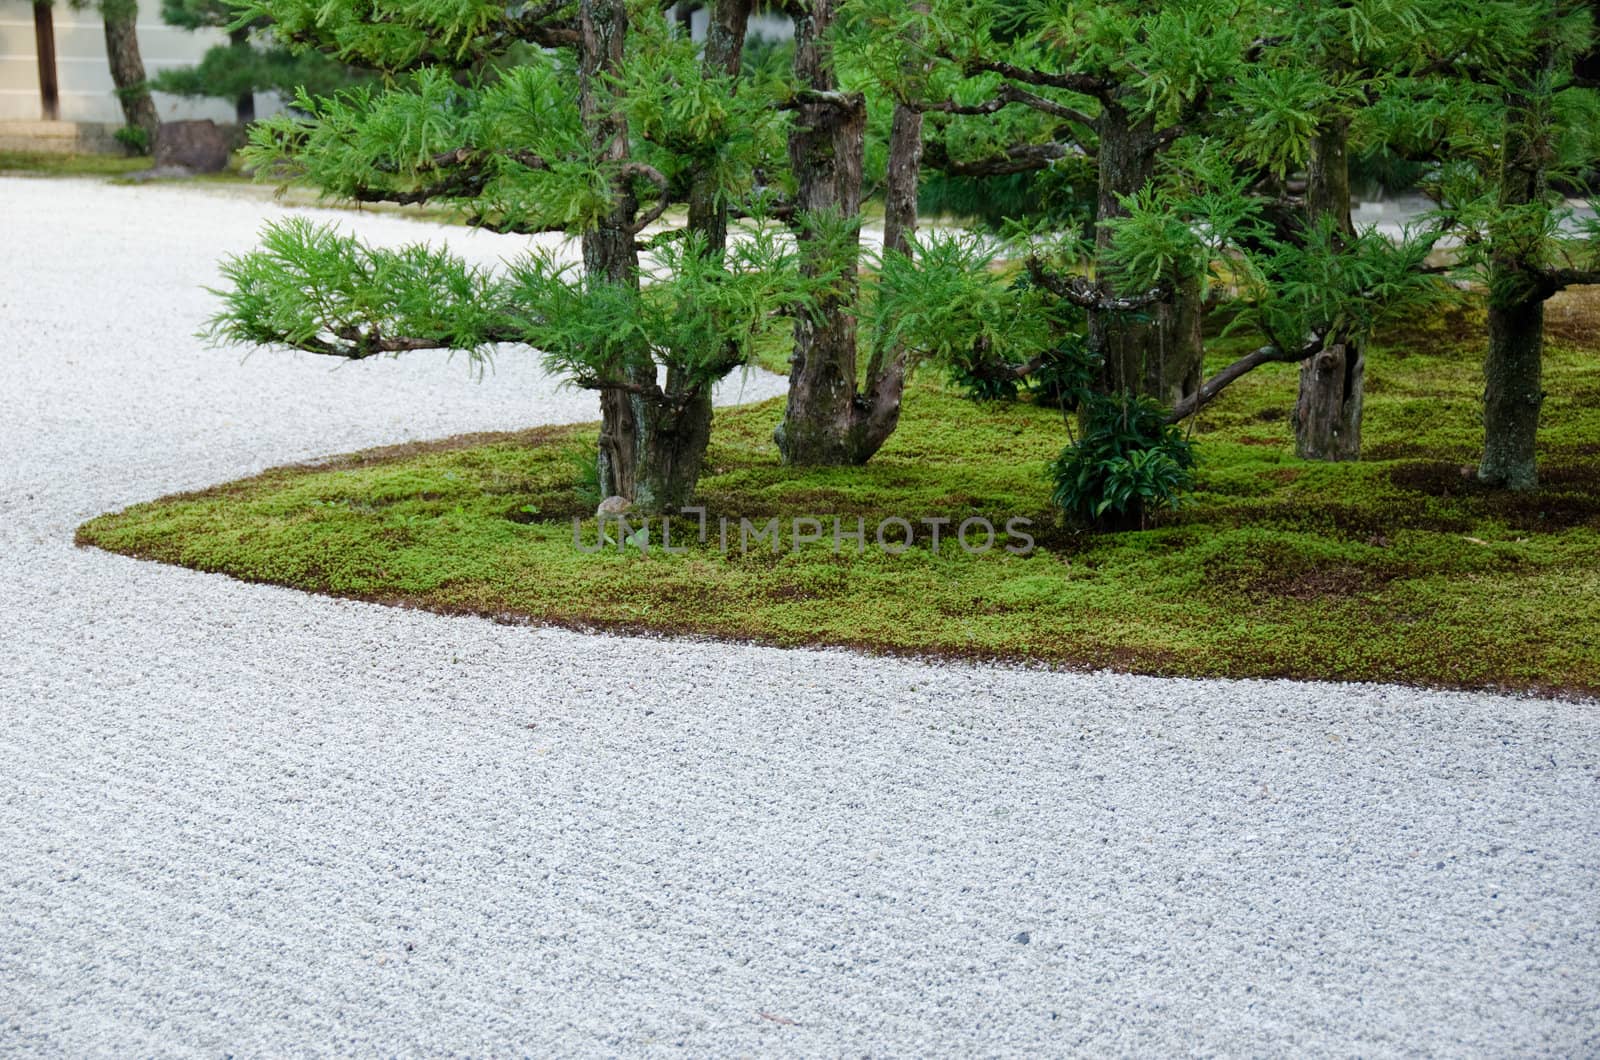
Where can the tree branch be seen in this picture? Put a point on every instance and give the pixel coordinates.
(1561, 279)
(817, 97)
(1022, 158)
(1248, 363)
(1007, 95)
(469, 173)
(1080, 291)
(357, 345)
(663, 199)
(1085, 84)
(627, 386)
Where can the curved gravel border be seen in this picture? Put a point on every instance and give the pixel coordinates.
(236, 819)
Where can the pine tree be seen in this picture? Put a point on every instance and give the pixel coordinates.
(1118, 84)
(589, 118)
(1307, 103)
(1525, 125)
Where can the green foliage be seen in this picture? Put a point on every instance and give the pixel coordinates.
(229, 71)
(700, 319)
(134, 138)
(1126, 465)
(949, 301)
(310, 287)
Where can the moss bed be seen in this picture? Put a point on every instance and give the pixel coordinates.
(1397, 568)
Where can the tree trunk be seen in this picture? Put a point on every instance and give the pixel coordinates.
(653, 445)
(244, 107)
(1512, 366)
(826, 149)
(609, 254)
(1156, 351)
(1327, 415)
(120, 18)
(724, 53)
(901, 182)
(672, 448)
(1512, 393)
(652, 440)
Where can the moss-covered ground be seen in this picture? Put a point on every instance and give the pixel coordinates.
(1397, 568)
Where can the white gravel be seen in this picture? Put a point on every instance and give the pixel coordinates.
(239, 820)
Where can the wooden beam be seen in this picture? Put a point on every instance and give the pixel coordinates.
(44, 42)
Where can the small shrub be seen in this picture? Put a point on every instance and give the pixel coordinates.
(1128, 464)
(134, 139)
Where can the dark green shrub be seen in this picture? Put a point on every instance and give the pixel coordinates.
(1127, 464)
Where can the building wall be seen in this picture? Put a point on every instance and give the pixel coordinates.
(83, 73)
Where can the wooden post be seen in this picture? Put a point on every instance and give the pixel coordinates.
(44, 41)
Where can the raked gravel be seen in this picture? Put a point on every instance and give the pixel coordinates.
(235, 819)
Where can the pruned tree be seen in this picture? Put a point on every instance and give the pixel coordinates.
(1303, 107)
(1118, 84)
(599, 145)
(120, 19)
(1527, 132)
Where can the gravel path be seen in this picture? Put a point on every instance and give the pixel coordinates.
(236, 819)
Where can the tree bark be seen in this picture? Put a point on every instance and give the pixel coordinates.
(886, 368)
(120, 19)
(652, 439)
(1327, 414)
(724, 53)
(1158, 351)
(826, 149)
(902, 179)
(1512, 393)
(609, 254)
(1512, 366)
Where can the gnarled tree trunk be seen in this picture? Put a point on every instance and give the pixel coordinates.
(1327, 415)
(826, 150)
(1155, 351)
(828, 420)
(652, 438)
(120, 19)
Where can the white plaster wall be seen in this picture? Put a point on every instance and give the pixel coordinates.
(83, 73)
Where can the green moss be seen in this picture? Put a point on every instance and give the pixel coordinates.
(1398, 568)
(15, 163)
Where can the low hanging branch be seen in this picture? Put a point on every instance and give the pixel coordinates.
(1561, 279)
(356, 344)
(1022, 158)
(1085, 84)
(466, 172)
(1244, 365)
(1007, 95)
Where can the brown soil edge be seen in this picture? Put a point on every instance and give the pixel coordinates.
(1128, 661)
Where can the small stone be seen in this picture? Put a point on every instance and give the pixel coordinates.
(1022, 937)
